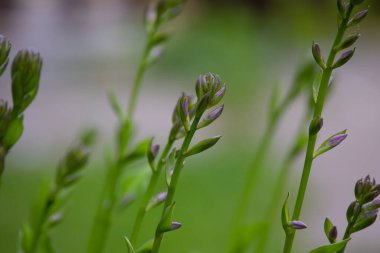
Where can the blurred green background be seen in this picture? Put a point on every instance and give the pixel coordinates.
(91, 47)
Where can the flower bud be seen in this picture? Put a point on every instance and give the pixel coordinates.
(175, 225)
(357, 18)
(297, 224)
(342, 7)
(156, 200)
(330, 143)
(349, 41)
(26, 70)
(344, 58)
(211, 117)
(333, 234)
(316, 50)
(316, 125)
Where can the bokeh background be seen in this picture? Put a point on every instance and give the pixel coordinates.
(93, 46)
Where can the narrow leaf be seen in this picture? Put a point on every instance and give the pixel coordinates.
(332, 248)
(202, 145)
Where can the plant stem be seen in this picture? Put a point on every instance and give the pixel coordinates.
(2, 163)
(347, 233)
(323, 88)
(253, 177)
(104, 213)
(149, 192)
(175, 177)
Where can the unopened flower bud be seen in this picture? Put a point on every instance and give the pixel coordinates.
(26, 70)
(349, 41)
(358, 18)
(157, 200)
(336, 140)
(297, 224)
(316, 125)
(333, 234)
(316, 50)
(330, 143)
(344, 58)
(211, 117)
(175, 225)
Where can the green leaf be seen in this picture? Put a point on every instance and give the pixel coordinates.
(166, 220)
(202, 146)
(332, 248)
(275, 98)
(139, 151)
(285, 219)
(146, 247)
(129, 245)
(13, 133)
(115, 105)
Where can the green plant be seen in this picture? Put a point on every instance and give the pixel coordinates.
(157, 14)
(25, 73)
(47, 211)
(346, 19)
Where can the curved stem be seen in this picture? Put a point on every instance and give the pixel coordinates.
(312, 138)
(175, 178)
(149, 192)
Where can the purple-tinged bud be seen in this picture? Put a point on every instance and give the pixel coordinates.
(333, 234)
(183, 112)
(344, 58)
(336, 140)
(352, 210)
(157, 200)
(175, 225)
(218, 96)
(330, 143)
(357, 18)
(316, 125)
(297, 224)
(375, 204)
(152, 153)
(316, 50)
(370, 214)
(211, 117)
(347, 42)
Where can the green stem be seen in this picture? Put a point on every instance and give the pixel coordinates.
(347, 233)
(2, 162)
(271, 210)
(253, 177)
(149, 192)
(137, 83)
(175, 177)
(323, 88)
(104, 213)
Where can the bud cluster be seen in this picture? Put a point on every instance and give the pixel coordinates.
(362, 212)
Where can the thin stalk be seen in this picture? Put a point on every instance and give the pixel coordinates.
(347, 233)
(103, 217)
(271, 210)
(175, 177)
(253, 175)
(2, 164)
(323, 88)
(149, 192)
